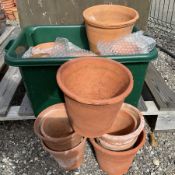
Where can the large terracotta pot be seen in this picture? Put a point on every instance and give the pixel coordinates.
(108, 22)
(94, 90)
(125, 130)
(53, 127)
(70, 159)
(117, 163)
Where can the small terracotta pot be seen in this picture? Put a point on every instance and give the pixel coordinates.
(94, 90)
(117, 163)
(70, 159)
(53, 127)
(123, 134)
(108, 22)
(43, 48)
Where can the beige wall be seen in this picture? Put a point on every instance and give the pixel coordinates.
(70, 11)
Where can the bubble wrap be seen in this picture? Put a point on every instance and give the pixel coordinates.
(135, 43)
(61, 48)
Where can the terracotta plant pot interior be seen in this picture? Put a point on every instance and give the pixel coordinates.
(94, 90)
(108, 22)
(124, 132)
(53, 127)
(117, 163)
(70, 159)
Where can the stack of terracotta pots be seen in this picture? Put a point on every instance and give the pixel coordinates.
(10, 9)
(58, 138)
(94, 89)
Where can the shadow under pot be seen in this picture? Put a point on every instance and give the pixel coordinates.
(125, 130)
(70, 159)
(117, 163)
(53, 127)
(94, 90)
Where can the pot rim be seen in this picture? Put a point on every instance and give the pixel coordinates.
(65, 152)
(118, 25)
(42, 116)
(121, 153)
(72, 135)
(112, 147)
(108, 101)
(134, 133)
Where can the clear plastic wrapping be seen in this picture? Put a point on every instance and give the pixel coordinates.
(62, 47)
(135, 43)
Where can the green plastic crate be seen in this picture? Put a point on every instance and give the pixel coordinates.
(39, 75)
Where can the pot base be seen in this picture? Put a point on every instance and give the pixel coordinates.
(70, 159)
(116, 163)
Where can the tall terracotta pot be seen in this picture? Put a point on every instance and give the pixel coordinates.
(70, 159)
(94, 90)
(125, 129)
(117, 163)
(108, 22)
(53, 127)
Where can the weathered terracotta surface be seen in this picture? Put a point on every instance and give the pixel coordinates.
(124, 132)
(108, 22)
(117, 163)
(94, 90)
(53, 127)
(70, 159)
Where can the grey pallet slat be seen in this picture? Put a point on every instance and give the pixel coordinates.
(6, 33)
(164, 97)
(142, 105)
(25, 111)
(8, 86)
(165, 120)
(25, 108)
(13, 114)
(3, 38)
(1, 61)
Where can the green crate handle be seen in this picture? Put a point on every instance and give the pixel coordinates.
(9, 44)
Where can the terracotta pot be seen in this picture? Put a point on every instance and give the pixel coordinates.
(94, 90)
(124, 133)
(70, 159)
(53, 127)
(43, 48)
(10, 17)
(108, 22)
(8, 6)
(9, 12)
(117, 163)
